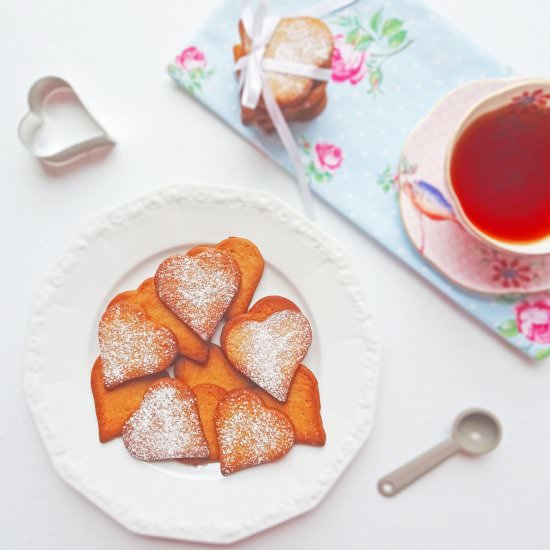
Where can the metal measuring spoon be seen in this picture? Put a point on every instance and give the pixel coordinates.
(475, 431)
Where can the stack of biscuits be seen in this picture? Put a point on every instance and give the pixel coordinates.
(304, 40)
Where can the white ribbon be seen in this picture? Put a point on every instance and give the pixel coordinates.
(259, 26)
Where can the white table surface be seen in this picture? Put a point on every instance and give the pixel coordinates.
(437, 360)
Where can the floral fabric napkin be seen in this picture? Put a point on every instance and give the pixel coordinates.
(393, 61)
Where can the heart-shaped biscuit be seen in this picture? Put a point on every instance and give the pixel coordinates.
(303, 407)
(166, 425)
(132, 345)
(114, 407)
(208, 396)
(198, 289)
(146, 299)
(249, 433)
(251, 267)
(217, 370)
(267, 346)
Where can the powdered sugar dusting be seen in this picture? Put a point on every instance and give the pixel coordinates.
(250, 434)
(298, 40)
(198, 289)
(131, 345)
(166, 425)
(269, 351)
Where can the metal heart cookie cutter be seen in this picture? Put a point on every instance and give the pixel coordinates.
(41, 92)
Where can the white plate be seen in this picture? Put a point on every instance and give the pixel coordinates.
(116, 252)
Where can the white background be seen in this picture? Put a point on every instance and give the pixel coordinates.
(437, 360)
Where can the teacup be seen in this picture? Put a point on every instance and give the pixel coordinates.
(509, 122)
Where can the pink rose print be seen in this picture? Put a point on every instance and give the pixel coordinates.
(191, 58)
(322, 159)
(363, 46)
(328, 157)
(190, 69)
(347, 62)
(533, 320)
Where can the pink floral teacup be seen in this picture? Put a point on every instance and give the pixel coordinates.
(533, 94)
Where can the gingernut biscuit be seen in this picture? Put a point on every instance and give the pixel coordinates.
(198, 289)
(114, 407)
(267, 348)
(166, 425)
(249, 433)
(132, 345)
(217, 370)
(145, 298)
(251, 267)
(208, 396)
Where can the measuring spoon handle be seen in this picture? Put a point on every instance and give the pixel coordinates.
(397, 480)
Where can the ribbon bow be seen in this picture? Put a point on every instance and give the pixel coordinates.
(260, 26)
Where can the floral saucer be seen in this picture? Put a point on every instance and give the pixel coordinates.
(428, 214)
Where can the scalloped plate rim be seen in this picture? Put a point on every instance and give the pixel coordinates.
(367, 370)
